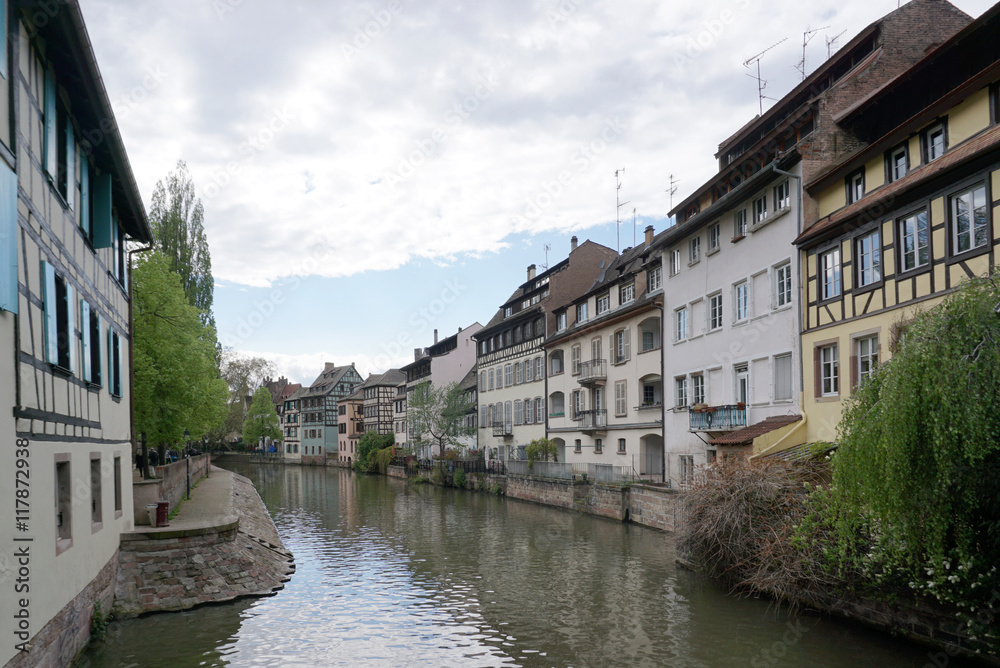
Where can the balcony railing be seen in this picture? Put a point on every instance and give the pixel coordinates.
(593, 372)
(717, 418)
(652, 406)
(593, 420)
(502, 429)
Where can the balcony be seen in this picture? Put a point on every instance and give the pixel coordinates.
(717, 418)
(594, 420)
(503, 430)
(594, 372)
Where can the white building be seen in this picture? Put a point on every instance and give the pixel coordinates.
(605, 386)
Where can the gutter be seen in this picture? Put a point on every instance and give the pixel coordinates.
(798, 265)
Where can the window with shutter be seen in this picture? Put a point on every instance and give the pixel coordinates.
(8, 240)
(621, 399)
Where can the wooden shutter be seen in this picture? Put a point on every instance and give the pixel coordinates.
(627, 335)
(85, 195)
(8, 240)
(817, 373)
(85, 366)
(51, 142)
(70, 166)
(71, 327)
(102, 352)
(51, 317)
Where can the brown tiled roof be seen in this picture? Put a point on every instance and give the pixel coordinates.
(798, 453)
(746, 435)
(967, 151)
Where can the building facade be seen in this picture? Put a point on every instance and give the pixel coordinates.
(380, 391)
(318, 411)
(510, 358)
(350, 426)
(68, 206)
(290, 424)
(605, 385)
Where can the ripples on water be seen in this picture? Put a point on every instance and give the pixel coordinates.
(395, 575)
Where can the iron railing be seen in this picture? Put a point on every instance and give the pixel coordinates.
(504, 429)
(593, 420)
(594, 371)
(717, 418)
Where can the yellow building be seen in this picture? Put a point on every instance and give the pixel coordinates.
(904, 219)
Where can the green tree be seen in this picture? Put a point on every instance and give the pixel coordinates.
(242, 373)
(176, 217)
(262, 419)
(540, 449)
(917, 472)
(369, 445)
(437, 415)
(177, 384)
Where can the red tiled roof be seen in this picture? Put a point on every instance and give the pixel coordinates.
(970, 149)
(746, 435)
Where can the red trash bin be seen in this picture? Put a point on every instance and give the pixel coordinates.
(162, 511)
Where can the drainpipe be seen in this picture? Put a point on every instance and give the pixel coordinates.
(798, 266)
(131, 367)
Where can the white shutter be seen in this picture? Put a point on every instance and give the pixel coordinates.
(626, 335)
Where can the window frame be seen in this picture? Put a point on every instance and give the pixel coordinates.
(694, 250)
(783, 287)
(826, 277)
(871, 359)
(969, 188)
(714, 238)
(854, 183)
(741, 286)
(927, 140)
(654, 279)
(680, 392)
(782, 195)
(681, 324)
(675, 261)
(739, 224)
(758, 207)
(874, 255)
(891, 174)
(899, 222)
(831, 364)
(604, 300)
(626, 293)
(716, 312)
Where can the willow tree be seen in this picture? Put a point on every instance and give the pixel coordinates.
(177, 384)
(177, 217)
(917, 473)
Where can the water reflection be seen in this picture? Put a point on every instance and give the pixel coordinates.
(390, 574)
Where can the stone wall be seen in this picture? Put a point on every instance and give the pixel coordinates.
(550, 492)
(169, 486)
(66, 635)
(178, 570)
(654, 506)
(395, 472)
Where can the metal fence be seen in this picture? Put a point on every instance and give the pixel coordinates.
(566, 471)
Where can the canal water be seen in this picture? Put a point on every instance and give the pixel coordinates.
(396, 575)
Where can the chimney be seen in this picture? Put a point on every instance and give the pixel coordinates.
(649, 235)
(417, 353)
(435, 336)
(572, 244)
(531, 271)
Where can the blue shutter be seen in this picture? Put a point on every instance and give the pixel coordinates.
(121, 366)
(111, 357)
(70, 166)
(3, 38)
(8, 239)
(85, 195)
(51, 159)
(104, 226)
(51, 319)
(85, 371)
(71, 326)
(102, 353)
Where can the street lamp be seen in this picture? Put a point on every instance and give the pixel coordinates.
(187, 459)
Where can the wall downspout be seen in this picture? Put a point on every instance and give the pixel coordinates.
(131, 362)
(798, 272)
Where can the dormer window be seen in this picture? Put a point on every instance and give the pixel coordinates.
(898, 163)
(934, 142)
(855, 186)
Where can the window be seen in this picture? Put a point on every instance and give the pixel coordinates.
(686, 469)
(538, 410)
(760, 209)
(739, 224)
(869, 251)
(491, 379)
(483, 416)
(595, 349)
(649, 340)
(581, 312)
(508, 415)
(742, 304)
(342, 428)
(96, 511)
(598, 446)
(829, 371)
(898, 163)
(577, 403)
(574, 356)
(627, 293)
(620, 340)
(855, 186)
(782, 196)
(654, 278)
(482, 381)
(621, 398)
(118, 485)
(697, 389)
(867, 357)
(621, 445)
(603, 304)
(934, 142)
(714, 237)
(517, 335)
(675, 262)
(539, 368)
(508, 311)
(91, 326)
(58, 309)
(64, 501)
(529, 371)
(681, 392)
(829, 263)
(783, 377)
(529, 411)
(915, 238)
(557, 362)
(694, 250)
(560, 321)
(518, 412)
(968, 220)
(681, 324)
(783, 285)
(715, 311)
(577, 445)
(518, 373)
(500, 382)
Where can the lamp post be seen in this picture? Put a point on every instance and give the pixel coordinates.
(187, 459)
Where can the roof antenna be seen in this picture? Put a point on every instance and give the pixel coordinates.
(672, 190)
(633, 227)
(761, 83)
(548, 247)
(830, 42)
(806, 38)
(618, 210)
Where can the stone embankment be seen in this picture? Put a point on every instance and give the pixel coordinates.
(222, 545)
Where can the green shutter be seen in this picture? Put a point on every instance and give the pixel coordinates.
(111, 364)
(70, 166)
(121, 366)
(85, 195)
(51, 144)
(8, 239)
(71, 326)
(102, 353)
(103, 224)
(85, 370)
(51, 319)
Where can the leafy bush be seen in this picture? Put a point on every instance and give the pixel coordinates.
(437, 476)
(540, 450)
(369, 445)
(459, 478)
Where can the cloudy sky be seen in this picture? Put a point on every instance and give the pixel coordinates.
(372, 171)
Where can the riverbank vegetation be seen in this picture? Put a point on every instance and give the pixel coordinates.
(907, 508)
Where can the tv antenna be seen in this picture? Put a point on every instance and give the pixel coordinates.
(548, 247)
(806, 38)
(620, 204)
(672, 190)
(761, 83)
(831, 41)
(633, 227)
